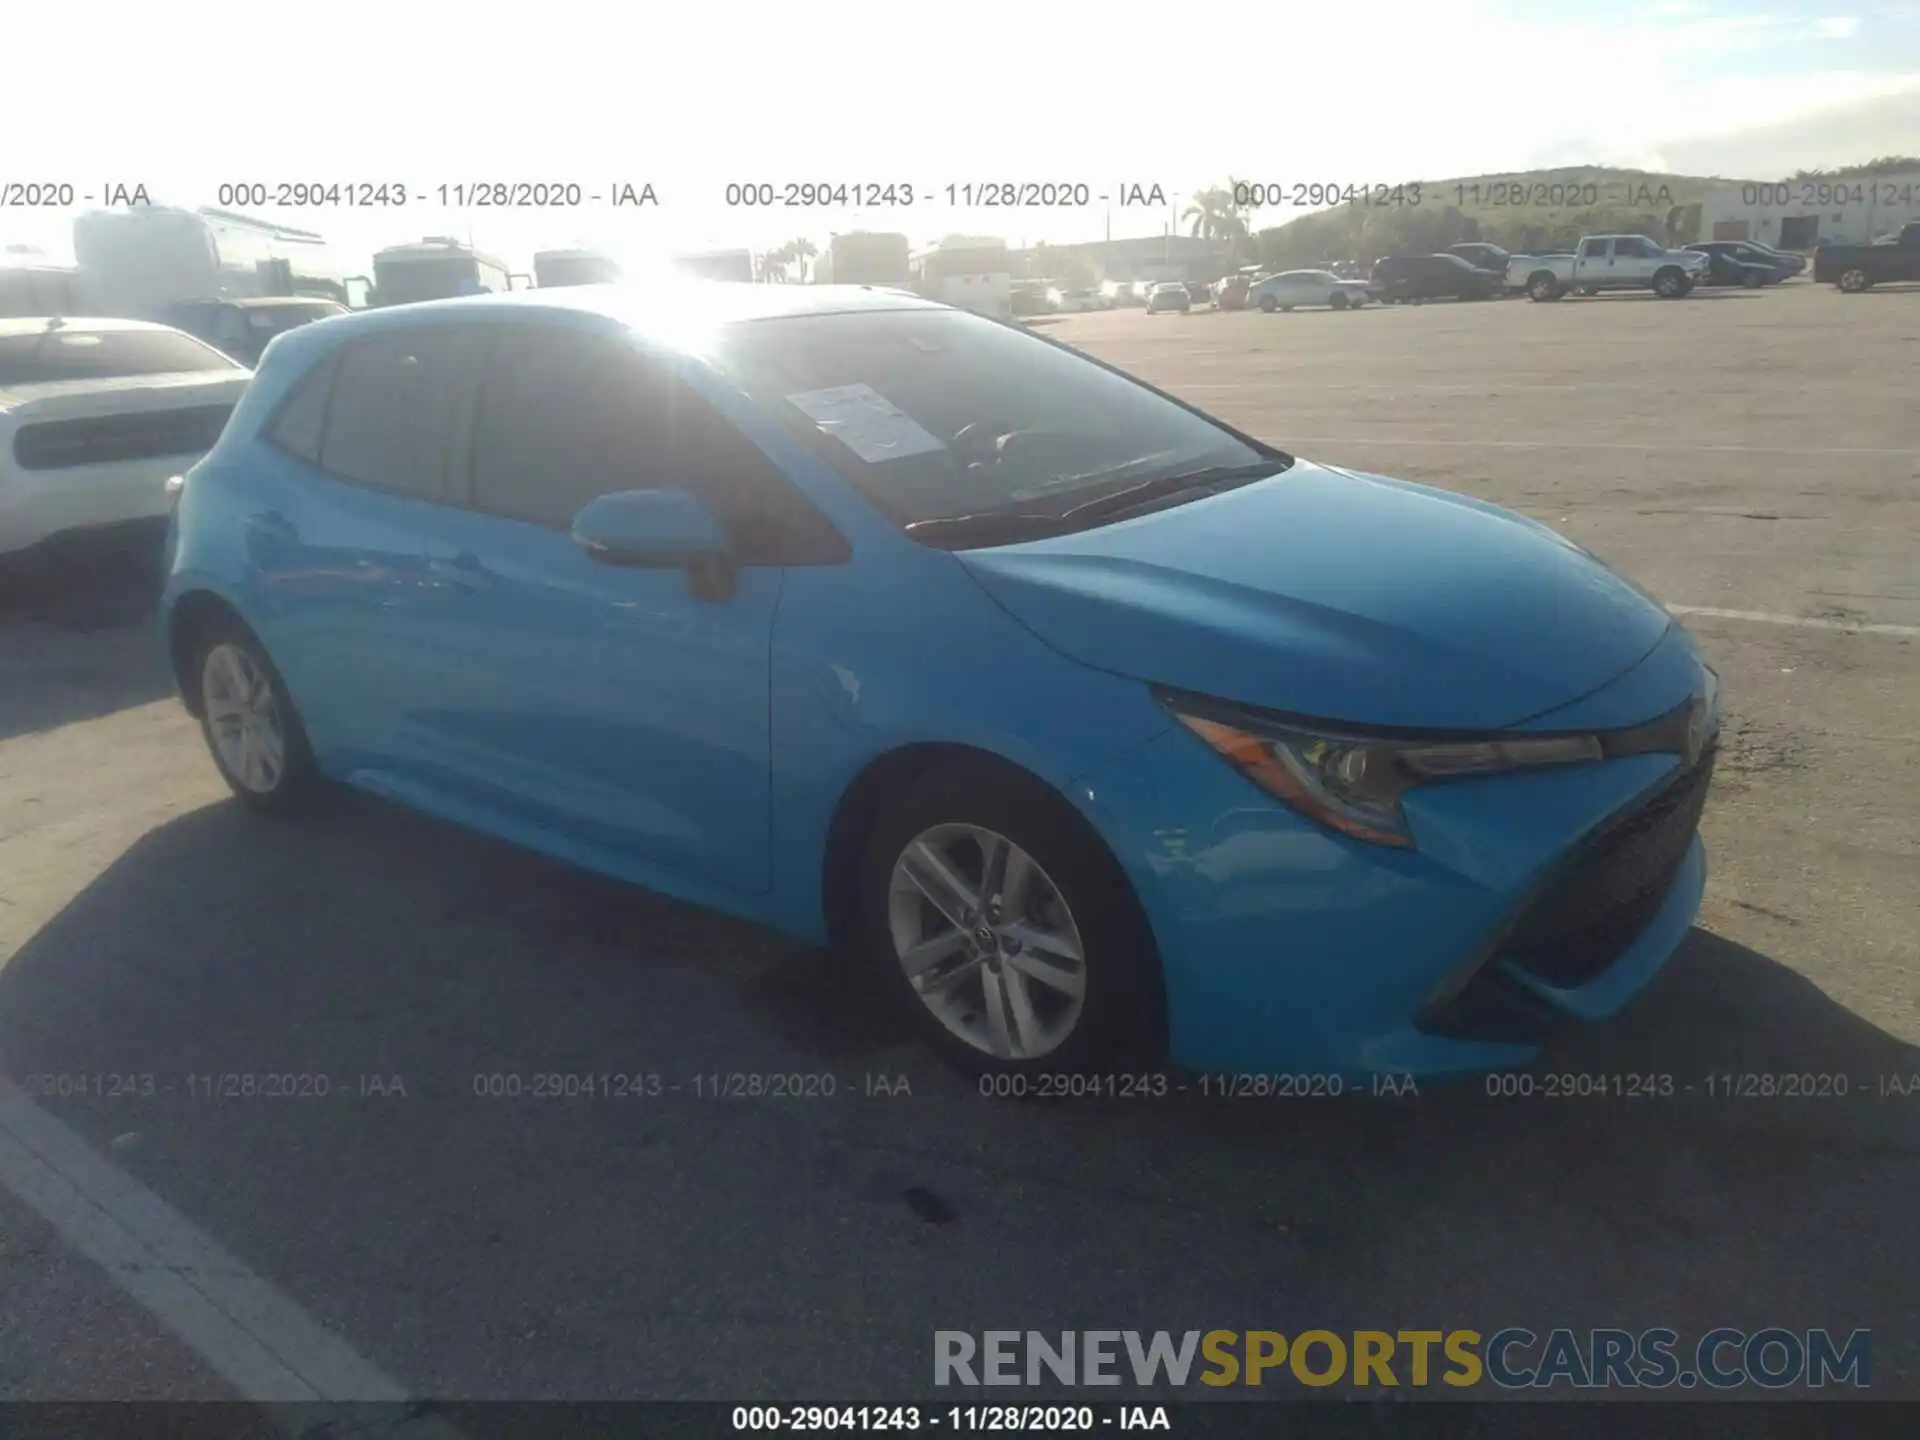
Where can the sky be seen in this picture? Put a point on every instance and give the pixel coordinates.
(690, 99)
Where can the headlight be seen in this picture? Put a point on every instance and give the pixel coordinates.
(1354, 783)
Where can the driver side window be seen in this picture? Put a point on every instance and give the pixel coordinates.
(566, 416)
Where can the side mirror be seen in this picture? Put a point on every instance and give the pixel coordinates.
(658, 530)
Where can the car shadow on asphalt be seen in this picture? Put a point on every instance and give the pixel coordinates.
(79, 643)
(1654, 1177)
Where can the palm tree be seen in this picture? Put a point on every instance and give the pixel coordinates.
(1215, 217)
(772, 265)
(799, 250)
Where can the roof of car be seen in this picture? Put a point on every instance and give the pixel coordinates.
(34, 325)
(658, 306)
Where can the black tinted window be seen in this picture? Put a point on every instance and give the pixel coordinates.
(302, 416)
(75, 354)
(558, 425)
(1592, 249)
(566, 417)
(392, 398)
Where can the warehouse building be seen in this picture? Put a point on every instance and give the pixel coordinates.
(1800, 214)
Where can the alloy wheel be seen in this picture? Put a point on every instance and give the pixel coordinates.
(987, 942)
(243, 718)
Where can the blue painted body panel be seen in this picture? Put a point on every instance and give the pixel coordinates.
(490, 672)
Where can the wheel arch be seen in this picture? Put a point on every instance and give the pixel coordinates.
(189, 615)
(865, 798)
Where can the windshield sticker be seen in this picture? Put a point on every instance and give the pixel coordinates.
(866, 422)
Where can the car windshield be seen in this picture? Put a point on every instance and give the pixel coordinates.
(63, 354)
(935, 414)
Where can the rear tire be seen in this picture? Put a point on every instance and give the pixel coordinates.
(1753, 280)
(252, 730)
(1853, 282)
(1268, 304)
(1543, 286)
(1339, 300)
(1058, 907)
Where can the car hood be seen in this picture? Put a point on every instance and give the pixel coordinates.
(1338, 595)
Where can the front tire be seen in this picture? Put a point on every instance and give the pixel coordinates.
(252, 730)
(1753, 280)
(1852, 282)
(1338, 301)
(1004, 930)
(1268, 304)
(1671, 285)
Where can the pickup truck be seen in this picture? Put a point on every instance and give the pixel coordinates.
(1608, 262)
(1860, 267)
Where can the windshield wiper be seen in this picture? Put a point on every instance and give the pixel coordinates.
(988, 527)
(1147, 491)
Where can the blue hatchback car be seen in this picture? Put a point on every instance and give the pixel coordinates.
(1096, 729)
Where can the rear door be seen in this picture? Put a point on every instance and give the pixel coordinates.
(349, 559)
(1592, 265)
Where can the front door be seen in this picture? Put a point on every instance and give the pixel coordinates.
(615, 712)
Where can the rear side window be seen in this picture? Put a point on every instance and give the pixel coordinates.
(392, 405)
(1593, 249)
(566, 417)
(296, 427)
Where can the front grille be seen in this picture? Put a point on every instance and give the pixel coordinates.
(105, 439)
(1608, 891)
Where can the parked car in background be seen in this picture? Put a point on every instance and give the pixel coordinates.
(1201, 292)
(1115, 294)
(1292, 289)
(1793, 262)
(1168, 295)
(1744, 253)
(1076, 301)
(638, 607)
(95, 415)
(1609, 262)
(1399, 279)
(1724, 269)
(1860, 267)
(1029, 297)
(1231, 293)
(242, 329)
(1482, 256)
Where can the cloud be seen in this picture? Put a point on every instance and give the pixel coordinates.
(1835, 28)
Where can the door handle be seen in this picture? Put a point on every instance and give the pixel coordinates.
(463, 570)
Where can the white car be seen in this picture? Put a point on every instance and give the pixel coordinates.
(1074, 302)
(1306, 288)
(95, 416)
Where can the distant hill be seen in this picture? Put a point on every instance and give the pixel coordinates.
(1523, 210)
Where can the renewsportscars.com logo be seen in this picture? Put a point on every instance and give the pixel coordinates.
(1513, 1359)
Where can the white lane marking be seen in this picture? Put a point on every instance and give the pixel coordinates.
(1803, 622)
(255, 1338)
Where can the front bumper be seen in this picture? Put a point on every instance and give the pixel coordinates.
(1287, 946)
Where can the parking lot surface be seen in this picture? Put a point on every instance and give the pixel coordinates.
(1751, 458)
